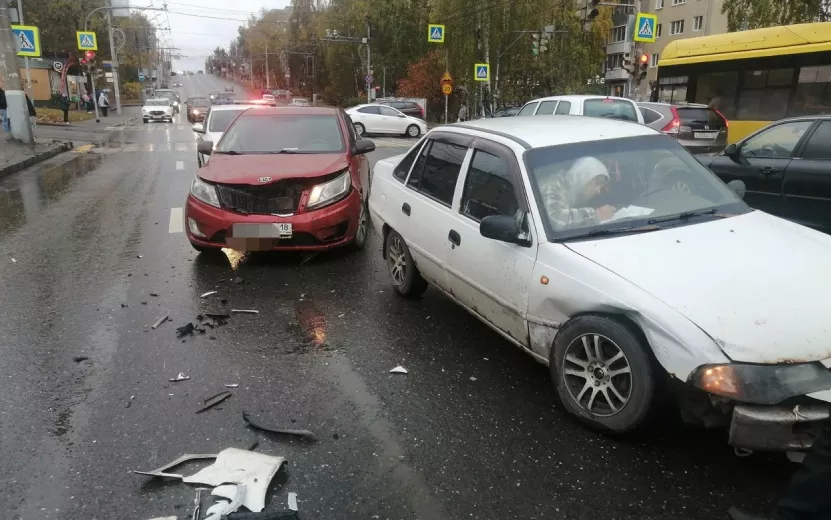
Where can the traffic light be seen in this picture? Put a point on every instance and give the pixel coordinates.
(535, 44)
(594, 11)
(628, 65)
(89, 56)
(643, 64)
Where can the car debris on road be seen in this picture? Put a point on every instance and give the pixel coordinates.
(244, 311)
(399, 370)
(209, 293)
(180, 377)
(159, 321)
(254, 423)
(214, 400)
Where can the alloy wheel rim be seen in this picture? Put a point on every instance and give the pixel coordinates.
(413, 131)
(397, 261)
(597, 375)
(359, 129)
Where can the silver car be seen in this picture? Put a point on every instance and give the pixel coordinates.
(698, 128)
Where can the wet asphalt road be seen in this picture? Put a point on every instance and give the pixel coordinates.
(473, 431)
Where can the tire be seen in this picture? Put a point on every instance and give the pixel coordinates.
(638, 386)
(413, 131)
(363, 228)
(145, 121)
(360, 129)
(408, 281)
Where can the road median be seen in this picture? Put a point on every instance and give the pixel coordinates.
(16, 156)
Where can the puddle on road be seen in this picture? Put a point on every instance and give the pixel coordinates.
(24, 196)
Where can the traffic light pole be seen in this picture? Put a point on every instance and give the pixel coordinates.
(114, 62)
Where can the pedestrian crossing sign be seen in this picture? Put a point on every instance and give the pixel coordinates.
(645, 27)
(87, 41)
(435, 33)
(482, 72)
(27, 39)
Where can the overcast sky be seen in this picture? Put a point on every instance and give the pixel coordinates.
(197, 27)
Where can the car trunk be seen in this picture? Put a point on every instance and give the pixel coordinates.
(701, 125)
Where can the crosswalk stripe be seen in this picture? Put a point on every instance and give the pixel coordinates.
(177, 223)
(180, 165)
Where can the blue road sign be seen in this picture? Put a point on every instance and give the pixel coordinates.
(435, 33)
(481, 72)
(141, 77)
(27, 38)
(645, 27)
(87, 40)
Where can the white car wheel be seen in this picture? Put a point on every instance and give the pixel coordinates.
(359, 129)
(413, 131)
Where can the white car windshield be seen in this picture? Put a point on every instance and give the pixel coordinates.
(220, 119)
(614, 184)
(289, 133)
(157, 103)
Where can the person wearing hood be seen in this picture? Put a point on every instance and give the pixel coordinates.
(3, 108)
(104, 103)
(64, 104)
(567, 196)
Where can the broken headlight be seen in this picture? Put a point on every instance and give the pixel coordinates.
(204, 192)
(330, 192)
(761, 384)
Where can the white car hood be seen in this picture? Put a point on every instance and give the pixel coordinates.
(759, 285)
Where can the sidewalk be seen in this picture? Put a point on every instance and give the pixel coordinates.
(50, 140)
(15, 156)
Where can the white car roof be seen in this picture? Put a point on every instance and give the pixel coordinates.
(157, 99)
(576, 97)
(540, 131)
(222, 108)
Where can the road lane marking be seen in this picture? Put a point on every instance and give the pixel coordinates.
(84, 148)
(180, 165)
(131, 148)
(177, 221)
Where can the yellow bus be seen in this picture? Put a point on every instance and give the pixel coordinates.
(752, 77)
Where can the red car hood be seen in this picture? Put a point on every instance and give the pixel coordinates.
(249, 169)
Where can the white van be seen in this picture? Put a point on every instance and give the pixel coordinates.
(592, 106)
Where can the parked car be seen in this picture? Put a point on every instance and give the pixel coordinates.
(699, 128)
(224, 98)
(381, 119)
(300, 102)
(593, 106)
(676, 290)
(507, 112)
(786, 167)
(270, 99)
(229, 89)
(409, 108)
(282, 178)
(172, 95)
(217, 120)
(157, 109)
(196, 108)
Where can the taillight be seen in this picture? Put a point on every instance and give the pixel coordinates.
(673, 126)
(726, 122)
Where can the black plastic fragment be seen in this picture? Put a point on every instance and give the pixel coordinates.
(306, 434)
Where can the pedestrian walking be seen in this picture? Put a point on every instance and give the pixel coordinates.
(33, 119)
(87, 101)
(64, 103)
(4, 120)
(462, 112)
(103, 103)
(806, 496)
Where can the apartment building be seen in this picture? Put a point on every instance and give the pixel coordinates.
(676, 19)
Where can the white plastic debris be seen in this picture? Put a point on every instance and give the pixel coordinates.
(205, 295)
(14, 261)
(399, 370)
(242, 467)
(164, 518)
(293, 501)
(244, 311)
(232, 385)
(180, 377)
(472, 378)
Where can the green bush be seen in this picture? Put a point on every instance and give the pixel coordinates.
(131, 90)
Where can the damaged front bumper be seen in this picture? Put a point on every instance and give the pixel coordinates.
(777, 428)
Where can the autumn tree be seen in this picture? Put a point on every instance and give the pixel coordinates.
(755, 14)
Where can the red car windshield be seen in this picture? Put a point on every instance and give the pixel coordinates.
(284, 133)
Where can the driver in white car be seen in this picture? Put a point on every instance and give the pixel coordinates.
(567, 196)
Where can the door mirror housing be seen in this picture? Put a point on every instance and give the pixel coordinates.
(738, 187)
(505, 229)
(363, 146)
(199, 128)
(734, 152)
(205, 147)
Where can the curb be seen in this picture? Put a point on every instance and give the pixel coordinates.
(57, 148)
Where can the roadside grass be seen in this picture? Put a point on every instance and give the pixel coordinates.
(54, 115)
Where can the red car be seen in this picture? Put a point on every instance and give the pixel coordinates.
(287, 178)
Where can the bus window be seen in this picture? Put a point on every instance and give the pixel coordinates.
(718, 90)
(813, 93)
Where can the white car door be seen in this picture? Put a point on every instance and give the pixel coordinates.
(370, 117)
(426, 203)
(491, 277)
(395, 122)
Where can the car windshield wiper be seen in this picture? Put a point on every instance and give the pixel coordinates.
(608, 232)
(687, 215)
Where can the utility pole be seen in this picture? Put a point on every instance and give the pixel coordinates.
(368, 60)
(17, 108)
(267, 73)
(25, 58)
(114, 62)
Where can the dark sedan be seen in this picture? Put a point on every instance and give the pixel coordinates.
(786, 168)
(197, 107)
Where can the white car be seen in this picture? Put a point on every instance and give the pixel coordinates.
(217, 120)
(609, 253)
(270, 99)
(300, 102)
(160, 109)
(584, 105)
(381, 119)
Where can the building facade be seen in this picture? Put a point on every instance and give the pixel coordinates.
(676, 19)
